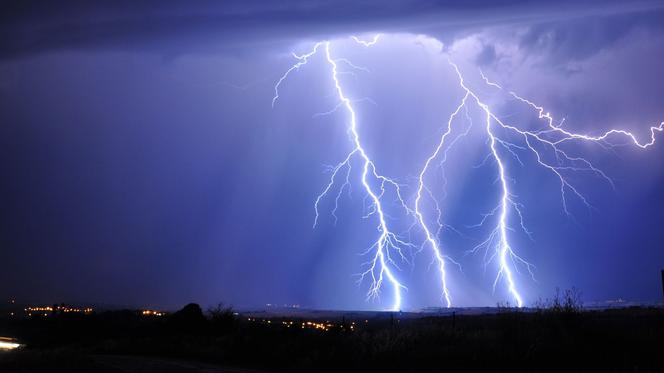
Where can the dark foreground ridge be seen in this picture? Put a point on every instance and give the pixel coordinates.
(561, 339)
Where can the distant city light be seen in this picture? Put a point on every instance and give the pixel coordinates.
(152, 313)
(46, 310)
(323, 326)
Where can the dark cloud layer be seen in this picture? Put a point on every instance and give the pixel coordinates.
(580, 38)
(175, 27)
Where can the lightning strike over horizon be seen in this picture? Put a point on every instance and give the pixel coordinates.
(388, 243)
(431, 240)
(564, 162)
(543, 147)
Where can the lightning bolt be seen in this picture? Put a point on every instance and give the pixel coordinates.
(499, 238)
(430, 238)
(389, 248)
(380, 267)
(366, 43)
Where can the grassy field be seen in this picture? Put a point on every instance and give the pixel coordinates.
(569, 340)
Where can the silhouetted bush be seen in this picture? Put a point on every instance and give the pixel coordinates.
(188, 319)
(222, 318)
(566, 302)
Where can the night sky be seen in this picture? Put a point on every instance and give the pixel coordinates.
(141, 161)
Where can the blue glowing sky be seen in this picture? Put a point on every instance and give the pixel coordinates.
(143, 164)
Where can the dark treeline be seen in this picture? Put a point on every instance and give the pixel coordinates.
(562, 339)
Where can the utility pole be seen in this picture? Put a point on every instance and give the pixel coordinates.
(663, 283)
